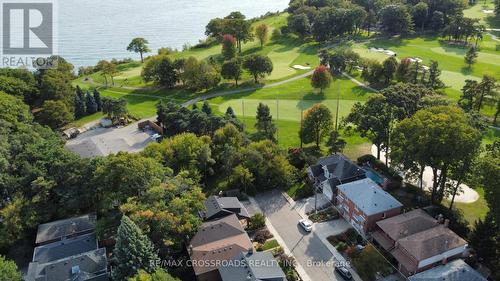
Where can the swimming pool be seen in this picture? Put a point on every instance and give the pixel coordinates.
(374, 176)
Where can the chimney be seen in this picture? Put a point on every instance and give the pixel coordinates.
(446, 223)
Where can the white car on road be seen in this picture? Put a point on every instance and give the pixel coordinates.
(306, 224)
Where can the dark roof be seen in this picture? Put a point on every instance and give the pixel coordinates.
(316, 170)
(407, 224)
(63, 228)
(226, 205)
(216, 241)
(89, 266)
(65, 248)
(456, 270)
(341, 167)
(252, 266)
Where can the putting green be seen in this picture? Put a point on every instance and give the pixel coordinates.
(282, 58)
(456, 80)
(285, 109)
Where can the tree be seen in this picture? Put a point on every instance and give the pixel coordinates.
(437, 21)
(161, 70)
(241, 178)
(488, 175)
(139, 45)
(114, 108)
(434, 72)
(497, 112)
(395, 18)
(55, 114)
(230, 112)
(437, 137)
(335, 143)
(264, 124)
(258, 66)
(199, 75)
(321, 78)
(232, 70)
(257, 221)
(370, 262)
(228, 47)
(470, 93)
(98, 101)
(484, 240)
(177, 201)
(299, 24)
(133, 251)
(317, 124)
(206, 108)
(90, 103)
(406, 99)
(373, 120)
(240, 28)
(262, 32)
(8, 270)
(159, 275)
(80, 106)
(471, 56)
(486, 87)
(420, 13)
(390, 66)
(19, 88)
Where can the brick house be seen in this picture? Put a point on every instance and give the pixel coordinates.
(418, 242)
(363, 203)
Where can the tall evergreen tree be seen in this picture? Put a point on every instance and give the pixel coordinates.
(133, 251)
(471, 56)
(80, 108)
(264, 124)
(90, 103)
(230, 112)
(206, 108)
(97, 99)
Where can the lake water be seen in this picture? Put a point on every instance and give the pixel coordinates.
(91, 30)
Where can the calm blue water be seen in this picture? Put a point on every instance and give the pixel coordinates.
(90, 30)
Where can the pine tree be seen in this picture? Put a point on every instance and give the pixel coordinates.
(133, 251)
(470, 56)
(264, 123)
(80, 109)
(206, 108)
(434, 73)
(98, 101)
(90, 103)
(194, 106)
(230, 112)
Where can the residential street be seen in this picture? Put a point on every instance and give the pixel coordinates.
(308, 248)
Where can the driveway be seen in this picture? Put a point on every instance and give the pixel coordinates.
(308, 249)
(105, 141)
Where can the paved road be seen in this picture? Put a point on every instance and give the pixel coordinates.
(307, 248)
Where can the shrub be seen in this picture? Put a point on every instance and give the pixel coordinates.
(257, 221)
(276, 34)
(262, 235)
(341, 246)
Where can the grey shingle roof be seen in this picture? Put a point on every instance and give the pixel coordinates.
(63, 228)
(456, 270)
(65, 248)
(255, 266)
(89, 266)
(407, 224)
(369, 197)
(340, 167)
(222, 206)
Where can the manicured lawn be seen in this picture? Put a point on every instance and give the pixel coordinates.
(270, 244)
(473, 211)
(476, 11)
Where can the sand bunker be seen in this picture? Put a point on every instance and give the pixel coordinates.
(382, 50)
(301, 67)
(488, 11)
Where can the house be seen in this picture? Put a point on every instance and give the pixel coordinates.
(418, 241)
(68, 250)
(426, 249)
(390, 230)
(217, 241)
(363, 203)
(219, 207)
(65, 248)
(88, 266)
(456, 270)
(61, 229)
(252, 266)
(333, 170)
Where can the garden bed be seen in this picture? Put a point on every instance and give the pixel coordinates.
(327, 214)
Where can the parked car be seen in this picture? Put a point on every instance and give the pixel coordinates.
(306, 224)
(344, 272)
